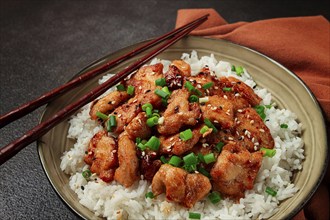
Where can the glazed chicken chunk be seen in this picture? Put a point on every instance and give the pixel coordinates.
(251, 131)
(176, 73)
(235, 170)
(138, 127)
(179, 113)
(180, 186)
(128, 171)
(102, 156)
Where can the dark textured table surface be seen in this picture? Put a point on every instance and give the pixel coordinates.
(45, 43)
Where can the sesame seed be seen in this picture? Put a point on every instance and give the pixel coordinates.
(252, 121)
(239, 110)
(215, 121)
(261, 130)
(214, 108)
(216, 87)
(209, 105)
(230, 138)
(140, 87)
(199, 86)
(225, 97)
(255, 148)
(119, 115)
(113, 102)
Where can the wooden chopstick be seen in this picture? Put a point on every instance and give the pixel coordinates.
(47, 97)
(14, 147)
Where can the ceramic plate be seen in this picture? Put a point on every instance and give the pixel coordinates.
(288, 92)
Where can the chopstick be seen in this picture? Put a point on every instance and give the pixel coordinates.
(14, 147)
(49, 96)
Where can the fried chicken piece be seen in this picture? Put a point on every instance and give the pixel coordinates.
(219, 111)
(174, 145)
(138, 127)
(180, 186)
(179, 113)
(202, 78)
(182, 66)
(251, 131)
(128, 171)
(102, 156)
(235, 170)
(144, 79)
(108, 103)
(126, 112)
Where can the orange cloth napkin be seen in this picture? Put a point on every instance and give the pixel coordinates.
(302, 44)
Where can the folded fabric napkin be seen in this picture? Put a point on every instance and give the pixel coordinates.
(302, 44)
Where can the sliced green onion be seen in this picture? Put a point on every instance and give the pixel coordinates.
(209, 158)
(163, 159)
(227, 89)
(271, 191)
(101, 115)
(164, 102)
(86, 174)
(111, 123)
(130, 90)
(165, 89)
(199, 93)
(204, 172)
(148, 112)
(142, 146)
(145, 106)
(214, 197)
(284, 126)
(155, 111)
(160, 82)
(153, 143)
(190, 168)
(207, 85)
(260, 109)
(200, 157)
(204, 129)
(138, 140)
(239, 70)
(186, 135)
(210, 125)
(121, 87)
(193, 98)
(204, 99)
(152, 121)
(149, 195)
(233, 68)
(189, 86)
(190, 159)
(219, 146)
(156, 114)
(268, 106)
(175, 161)
(161, 93)
(268, 152)
(194, 215)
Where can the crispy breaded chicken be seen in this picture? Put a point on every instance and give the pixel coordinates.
(251, 131)
(174, 145)
(176, 73)
(180, 186)
(179, 113)
(128, 171)
(108, 103)
(235, 170)
(102, 156)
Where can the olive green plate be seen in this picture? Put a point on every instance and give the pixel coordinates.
(288, 92)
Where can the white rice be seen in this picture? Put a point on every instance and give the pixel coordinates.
(113, 201)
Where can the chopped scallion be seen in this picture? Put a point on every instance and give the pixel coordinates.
(190, 159)
(239, 70)
(207, 85)
(111, 123)
(130, 90)
(153, 143)
(209, 158)
(145, 106)
(148, 112)
(219, 146)
(101, 115)
(284, 126)
(163, 159)
(271, 191)
(138, 140)
(227, 89)
(210, 125)
(260, 109)
(189, 86)
(186, 135)
(175, 161)
(141, 146)
(160, 82)
(161, 93)
(193, 98)
(152, 121)
(204, 172)
(194, 215)
(121, 87)
(268, 152)
(150, 195)
(214, 197)
(233, 68)
(204, 129)
(86, 174)
(165, 89)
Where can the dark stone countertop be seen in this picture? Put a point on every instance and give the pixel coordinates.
(45, 43)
